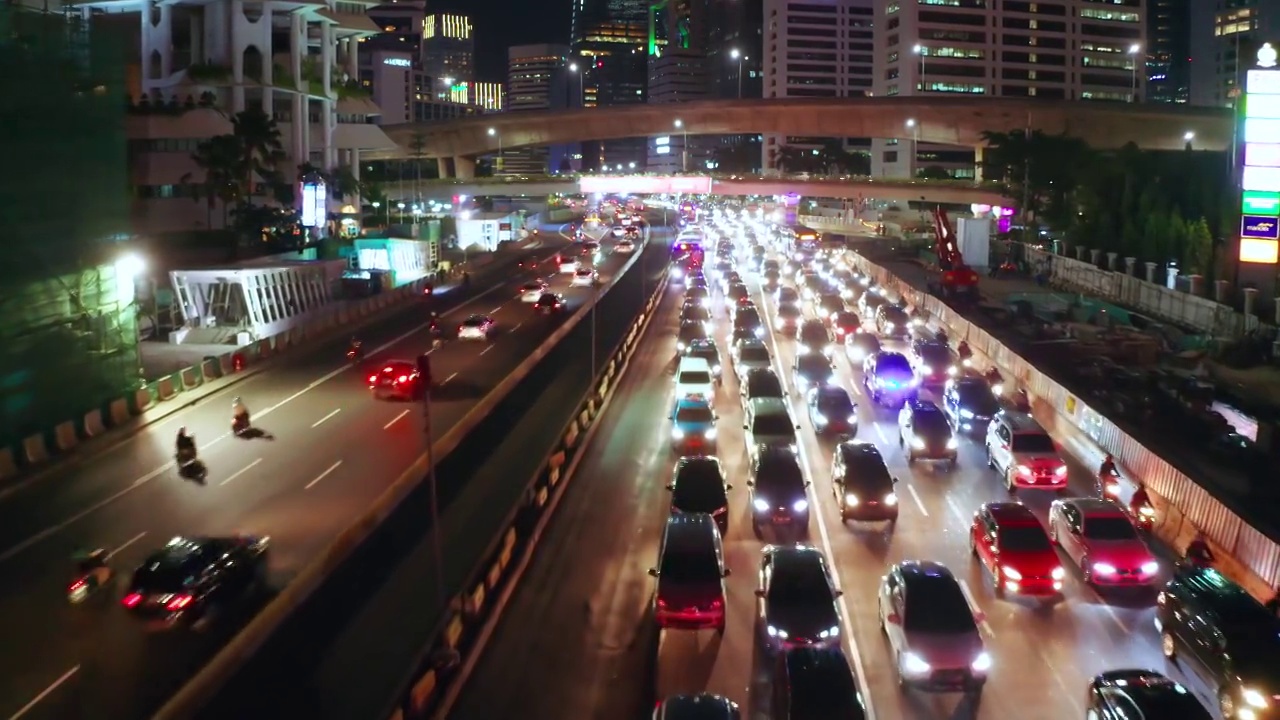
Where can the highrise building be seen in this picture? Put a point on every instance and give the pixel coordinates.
(538, 78)
(448, 51)
(392, 78)
(816, 49)
(401, 25)
(1225, 37)
(735, 56)
(677, 73)
(610, 40)
(1168, 50)
(1054, 49)
(486, 95)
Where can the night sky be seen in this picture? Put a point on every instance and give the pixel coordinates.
(500, 24)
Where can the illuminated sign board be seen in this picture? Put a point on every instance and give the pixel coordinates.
(1261, 252)
(1261, 178)
(397, 62)
(315, 206)
(664, 140)
(1260, 203)
(1261, 130)
(1262, 106)
(645, 185)
(1262, 155)
(1259, 228)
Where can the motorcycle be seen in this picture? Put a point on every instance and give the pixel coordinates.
(93, 575)
(1144, 518)
(189, 466)
(1107, 485)
(355, 355)
(239, 423)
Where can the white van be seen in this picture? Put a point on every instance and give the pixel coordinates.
(695, 379)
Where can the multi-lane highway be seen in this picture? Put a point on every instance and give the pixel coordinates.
(577, 639)
(333, 449)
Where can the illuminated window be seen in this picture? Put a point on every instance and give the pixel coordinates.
(1110, 15)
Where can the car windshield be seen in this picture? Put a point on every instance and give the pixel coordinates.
(936, 605)
(696, 312)
(869, 470)
(764, 384)
(977, 398)
(695, 293)
(695, 415)
(705, 351)
(867, 342)
(1023, 538)
(812, 334)
(584, 273)
(692, 329)
(1109, 528)
(799, 583)
(893, 314)
(695, 377)
(833, 400)
(738, 291)
(788, 311)
(894, 366)
(847, 319)
(746, 316)
(698, 490)
(474, 321)
(754, 354)
(931, 423)
(528, 287)
(832, 303)
(936, 355)
(773, 424)
(1033, 443)
(813, 365)
(688, 564)
(787, 294)
(779, 471)
(169, 572)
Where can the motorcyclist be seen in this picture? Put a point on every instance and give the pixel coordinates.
(964, 352)
(92, 567)
(1198, 551)
(355, 351)
(1108, 467)
(185, 445)
(434, 328)
(239, 414)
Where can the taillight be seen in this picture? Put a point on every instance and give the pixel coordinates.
(662, 604)
(131, 600)
(717, 604)
(373, 379)
(77, 585)
(402, 378)
(839, 331)
(178, 602)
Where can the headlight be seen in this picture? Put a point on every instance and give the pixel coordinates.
(967, 415)
(776, 632)
(1061, 471)
(853, 419)
(819, 419)
(913, 664)
(926, 370)
(997, 389)
(1010, 573)
(916, 322)
(831, 632)
(710, 434)
(1104, 569)
(891, 499)
(759, 332)
(677, 273)
(801, 382)
(800, 505)
(1254, 698)
(715, 369)
(1150, 568)
(760, 505)
(831, 379)
(982, 663)
(857, 354)
(1058, 573)
(680, 345)
(706, 302)
(952, 444)
(779, 324)
(677, 434)
(953, 370)
(888, 327)
(917, 443)
(1147, 511)
(851, 500)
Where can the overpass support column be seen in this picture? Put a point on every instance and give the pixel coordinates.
(978, 152)
(464, 168)
(444, 166)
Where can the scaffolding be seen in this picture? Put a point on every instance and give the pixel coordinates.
(67, 319)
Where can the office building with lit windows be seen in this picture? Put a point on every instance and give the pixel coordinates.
(538, 78)
(1225, 37)
(1056, 50)
(677, 74)
(448, 51)
(610, 42)
(735, 55)
(485, 95)
(816, 49)
(1168, 51)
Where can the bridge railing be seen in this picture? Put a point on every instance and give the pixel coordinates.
(722, 177)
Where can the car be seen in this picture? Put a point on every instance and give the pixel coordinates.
(695, 379)
(689, 594)
(796, 599)
(812, 370)
(702, 706)
(698, 486)
(530, 292)
(476, 327)
(1218, 633)
(584, 277)
(549, 303)
(688, 332)
(528, 263)
(931, 629)
(1020, 450)
(696, 311)
(728, 277)
(924, 432)
(828, 305)
(842, 324)
(769, 424)
(889, 379)
(750, 354)
(568, 265)
(619, 230)
(770, 264)
(396, 379)
(810, 282)
(590, 247)
(934, 361)
(870, 303)
(1102, 541)
(1136, 694)
(861, 483)
(787, 319)
(859, 345)
(746, 321)
(786, 295)
(624, 246)
(737, 292)
(698, 295)
(778, 489)
(832, 411)
(816, 684)
(812, 338)
(745, 309)
(1008, 541)
(191, 576)
(969, 404)
(707, 350)
(769, 278)
(892, 321)
(693, 426)
(760, 383)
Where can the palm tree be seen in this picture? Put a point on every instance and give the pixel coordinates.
(260, 148)
(220, 159)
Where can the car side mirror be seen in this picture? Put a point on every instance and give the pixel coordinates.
(728, 572)
(728, 487)
(797, 427)
(653, 572)
(979, 617)
(759, 592)
(807, 483)
(837, 593)
(894, 619)
(895, 481)
(671, 486)
(745, 427)
(750, 484)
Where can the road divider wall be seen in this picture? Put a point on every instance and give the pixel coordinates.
(361, 544)
(436, 678)
(1183, 506)
(162, 397)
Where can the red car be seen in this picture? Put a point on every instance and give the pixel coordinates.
(1012, 545)
(1101, 539)
(396, 379)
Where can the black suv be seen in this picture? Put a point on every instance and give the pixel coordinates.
(816, 684)
(813, 337)
(1224, 636)
(703, 706)
(862, 484)
(698, 486)
(188, 577)
(778, 488)
(969, 404)
(1141, 695)
(797, 599)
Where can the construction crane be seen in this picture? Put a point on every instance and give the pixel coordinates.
(959, 281)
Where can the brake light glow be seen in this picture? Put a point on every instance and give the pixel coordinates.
(131, 600)
(178, 602)
(77, 585)
(373, 379)
(402, 378)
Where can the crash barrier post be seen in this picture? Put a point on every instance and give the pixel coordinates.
(94, 424)
(65, 436)
(1247, 555)
(8, 464)
(191, 377)
(204, 686)
(503, 564)
(34, 449)
(211, 369)
(166, 388)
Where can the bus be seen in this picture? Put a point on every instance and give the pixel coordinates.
(800, 239)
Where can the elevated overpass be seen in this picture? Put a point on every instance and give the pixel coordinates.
(957, 121)
(840, 188)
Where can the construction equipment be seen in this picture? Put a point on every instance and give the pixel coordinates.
(959, 281)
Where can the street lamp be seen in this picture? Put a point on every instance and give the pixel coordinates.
(915, 144)
(739, 57)
(494, 133)
(1187, 137)
(631, 165)
(1134, 49)
(918, 49)
(684, 145)
(582, 93)
(448, 85)
(400, 207)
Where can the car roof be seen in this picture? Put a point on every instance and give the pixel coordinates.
(703, 706)
(689, 531)
(1020, 422)
(1013, 513)
(922, 406)
(751, 342)
(699, 462)
(922, 569)
(893, 355)
(693, 402)
(702, 344)
(798, 553)
(391, 365)
(765, 405)
(1095, 507)
(858, 448)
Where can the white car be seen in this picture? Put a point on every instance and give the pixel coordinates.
(694, 378)
(584, 277)
(531, 291)
(476, 327)
(624, 246)
(568, 265)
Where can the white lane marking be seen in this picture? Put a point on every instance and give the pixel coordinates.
(241, 471)
(317, 423)
(495, 310)
(126, 544)
(486, 350)
(323, 475)
(517, 326)
(880, 432)
(1111, 613)
(45, 693)
(973, 605)
(951, 503)
(916, 496)
(446, 380)
(395, 419)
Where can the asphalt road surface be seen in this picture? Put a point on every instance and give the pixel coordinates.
(333, 449)
(577, 640)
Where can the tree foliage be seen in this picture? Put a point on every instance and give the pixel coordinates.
(831, 158)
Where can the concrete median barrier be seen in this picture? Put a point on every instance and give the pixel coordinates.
(34, 449)
(93, 424)
(65, 436)
(210, 370)
(166, 388)
(192, 377)
(118, 411)
(8, 464)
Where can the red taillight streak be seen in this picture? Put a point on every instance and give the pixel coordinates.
(178, 603)
(77, 585)
(402, 378)
(373, 379)
(132, 600)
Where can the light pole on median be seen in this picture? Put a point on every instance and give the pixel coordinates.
(684, 145)
(1134, 50)
(498, 164)
(582, 90)
(424, 378)
(920, 53)
(739, 57)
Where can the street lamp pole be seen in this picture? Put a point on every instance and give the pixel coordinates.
(424, 377)
(494, 133)
(739, 57)
(915, 145)
(919, 51)
(582, 92)
(1133, 72)
(684, 145)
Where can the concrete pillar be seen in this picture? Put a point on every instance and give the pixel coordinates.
(327, 48)
(1151, 272)
(1130, 265)
(238, 44)
(164, 40)
(353, 54)
(1095, 256)
(1111, 261)
(1220, 291)
(978, 155)
(444, 167)
(464, 168)
(1196, 285)
(1171, 278)
(1080, 251)
(1250, 300)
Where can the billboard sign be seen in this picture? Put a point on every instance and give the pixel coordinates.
(1260, 173)
(1260, 228)
(644, 185)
